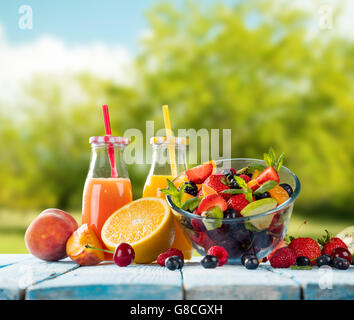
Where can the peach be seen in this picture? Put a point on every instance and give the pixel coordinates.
(47, 235)
(76, 247)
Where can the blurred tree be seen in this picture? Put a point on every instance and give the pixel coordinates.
(252, 66)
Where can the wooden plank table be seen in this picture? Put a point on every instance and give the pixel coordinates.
(26, 277)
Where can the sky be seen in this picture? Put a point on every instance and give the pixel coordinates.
(100, 37)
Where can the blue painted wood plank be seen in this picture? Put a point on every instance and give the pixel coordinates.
(15, 278)
(237, 283)
(107, 281)
(8, 259)
(323, 283)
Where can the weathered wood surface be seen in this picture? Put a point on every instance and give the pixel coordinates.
(25, 277)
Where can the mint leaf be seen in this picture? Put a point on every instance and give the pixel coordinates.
(248, 195)
(272, 155)
(279, 163)
(242, 183)
(268, 160)
(266, 186)
(191, 204)
(171, 186)
(233, 191)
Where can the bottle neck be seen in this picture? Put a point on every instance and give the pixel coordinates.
(161, 160)
(100, 166)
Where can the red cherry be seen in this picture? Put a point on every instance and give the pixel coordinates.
(341, 253)
(123, 255)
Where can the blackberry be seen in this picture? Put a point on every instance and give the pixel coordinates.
(287, 188)
(259, 196)
(230, 214)
(191, 188)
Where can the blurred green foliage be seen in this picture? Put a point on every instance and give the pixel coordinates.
(258, 72)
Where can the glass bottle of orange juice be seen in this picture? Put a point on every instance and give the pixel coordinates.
(160, 171)
(104, 192)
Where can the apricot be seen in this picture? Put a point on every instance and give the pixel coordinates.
(76, 247)
(47, 235)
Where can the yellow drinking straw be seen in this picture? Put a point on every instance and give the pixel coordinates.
(171, 147)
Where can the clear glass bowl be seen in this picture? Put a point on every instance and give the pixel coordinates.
(258, 234)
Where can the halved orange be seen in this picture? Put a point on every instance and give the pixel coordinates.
(146, 224)
(279, 194)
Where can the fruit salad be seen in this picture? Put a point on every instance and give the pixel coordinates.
(216, 198)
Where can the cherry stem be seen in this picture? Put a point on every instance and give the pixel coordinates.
(90, 247)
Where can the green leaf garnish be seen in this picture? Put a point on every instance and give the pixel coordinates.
(271, 159)
(266, 187)
(191, 204)
(233, 191)
(242, 183)
(301, 267)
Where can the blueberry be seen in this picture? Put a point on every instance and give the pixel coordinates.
(324, 260)
(302, 261)
(228, 173)
(209, 262)
(244, 256)
(287, 188)
(230, 214)
(251, 262)
(191, 188)
(174, 262)
(233, 183)
(259, 196)
(340, 263)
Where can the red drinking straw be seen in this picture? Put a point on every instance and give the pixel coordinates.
(107, 126)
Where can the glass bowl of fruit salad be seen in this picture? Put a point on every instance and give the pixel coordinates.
(243, 205)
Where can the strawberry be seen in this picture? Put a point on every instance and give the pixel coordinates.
(200, 173)
(237, 202)
(210, 201)
(306, 247)
(218, 182)
(281, 244)
(168, 253)
(330, 243)
(283, 258)
(245, 177)
(268, 174)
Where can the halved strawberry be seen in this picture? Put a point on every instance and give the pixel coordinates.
(238, 202)
(210, 201)
(268, 174)
(217, 183)
(200, 173)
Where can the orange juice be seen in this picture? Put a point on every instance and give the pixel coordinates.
(102, 197)
(152, 189)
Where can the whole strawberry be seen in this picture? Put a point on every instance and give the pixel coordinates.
(306, 247)
(283, 258)
(330, 243)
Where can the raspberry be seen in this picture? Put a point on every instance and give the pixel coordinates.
(168, 253)
(220, 253)
(237, 202)
(283, 258)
